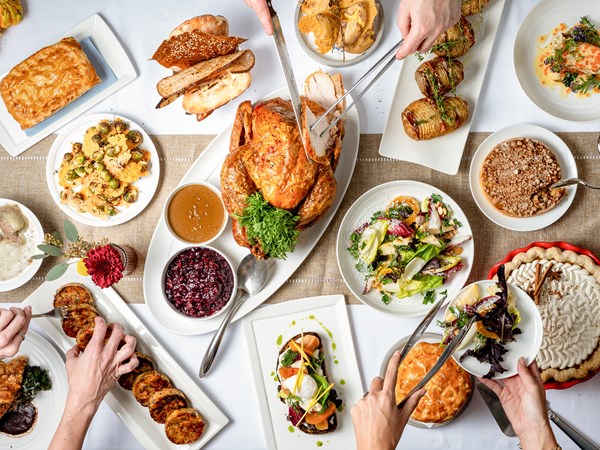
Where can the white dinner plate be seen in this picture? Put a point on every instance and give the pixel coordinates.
(74, 133)
(431, 338)
(113, 58)
(50, 404)
(135, 417)
(541, 20)
(445, 152)
(567, 166)
(527, 344)
(35, 236)
(336, 57)
(207, 167)
(360, 212)
(266, 330)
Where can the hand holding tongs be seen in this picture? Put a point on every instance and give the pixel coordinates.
(414, 338)
(390, 57)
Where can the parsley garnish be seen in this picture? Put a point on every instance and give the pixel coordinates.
(288, 358)
(428, 297)
(386, 299)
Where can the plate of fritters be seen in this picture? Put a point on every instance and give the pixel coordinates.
(102, 170)
(511, 172)
(159, 402)
(449, 392)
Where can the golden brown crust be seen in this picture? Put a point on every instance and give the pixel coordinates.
(77, 316)
(470, 7)
(145, 365)
(456, 41)
(422, 119)
(11, 380)
(72, 294)
(184, 426)
(164, 402)
(447, 392)
(47, 81)
(147, 384)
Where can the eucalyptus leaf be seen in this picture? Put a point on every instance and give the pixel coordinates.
(56, 235)
(51, 250)
(70, 231)
(40, 256)
(56, 272)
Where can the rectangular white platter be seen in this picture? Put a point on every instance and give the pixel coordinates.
(265, 327)
(207, 167)
(136, 417)
(443, 153)
(16, 141)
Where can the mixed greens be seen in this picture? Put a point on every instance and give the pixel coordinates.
(568, 48)
(35, 379)
(408, 248)
(496, 325)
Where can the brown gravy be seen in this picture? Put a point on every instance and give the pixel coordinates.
(19, 419)
(196, 213)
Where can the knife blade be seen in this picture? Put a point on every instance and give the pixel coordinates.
(288, 72)
(493, 403)
(576, 436)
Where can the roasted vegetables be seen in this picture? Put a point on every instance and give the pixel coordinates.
(427, 118)
(456, 41)
(11, 13)
(470, 7)
(439, 76)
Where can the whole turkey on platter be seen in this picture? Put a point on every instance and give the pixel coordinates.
(270, 187)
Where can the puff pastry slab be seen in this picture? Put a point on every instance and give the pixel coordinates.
(448, 390)
(47, 81)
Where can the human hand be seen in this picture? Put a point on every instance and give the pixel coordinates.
(262, 11)
(377, 421)
(93, 372)
(422, 21)
(524, 400)
(14, 323)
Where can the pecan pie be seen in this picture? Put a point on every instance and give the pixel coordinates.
(569, 303)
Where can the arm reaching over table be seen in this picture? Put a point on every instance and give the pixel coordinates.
(524, 400)
(14, 323)
(377, 421)
(422, 21)
(92, 373)
(262, 11)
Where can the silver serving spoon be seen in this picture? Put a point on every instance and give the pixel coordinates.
(569, 181)
(252, 277)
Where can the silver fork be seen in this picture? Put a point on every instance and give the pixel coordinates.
(60, 312)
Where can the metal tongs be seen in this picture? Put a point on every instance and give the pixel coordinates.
(444, 356)
(389, 58)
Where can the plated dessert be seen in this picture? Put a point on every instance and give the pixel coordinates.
(209, 69)
(566, 288)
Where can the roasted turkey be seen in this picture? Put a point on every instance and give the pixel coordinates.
(267, 155)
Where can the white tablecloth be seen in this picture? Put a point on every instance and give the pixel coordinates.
(141, 26)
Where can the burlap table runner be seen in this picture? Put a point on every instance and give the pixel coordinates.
(23, 179)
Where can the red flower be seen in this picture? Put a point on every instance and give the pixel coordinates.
(104, 265)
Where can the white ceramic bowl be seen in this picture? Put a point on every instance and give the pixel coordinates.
(168, 202)
(229, 300)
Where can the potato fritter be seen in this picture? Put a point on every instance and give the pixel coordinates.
(72, 294)
(78, 316)
(147, 384)
(145, 365)
(84, 335)
(184, 426)
(165, 402)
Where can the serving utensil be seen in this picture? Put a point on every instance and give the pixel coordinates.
(579, 439)
(252, 277)
(570, 181)
(493, 403)
(60, 312)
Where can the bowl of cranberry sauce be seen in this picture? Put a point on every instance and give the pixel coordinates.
(199, 282)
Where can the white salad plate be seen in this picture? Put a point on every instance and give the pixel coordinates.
(336, 57)
(360, 212)
(112, 58)
(51, 403)
(34, 236)
(135, 417)
(75, 132)
(445, 152)
(527, 344)
(541, 20)
(207, 167)
(266, 330)
(567, 165)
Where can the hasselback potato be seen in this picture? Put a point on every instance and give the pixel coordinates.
(470, 7)
(423, 119)
(456, 41)
(439, 76)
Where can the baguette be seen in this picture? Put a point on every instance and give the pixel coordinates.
(206, 23)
